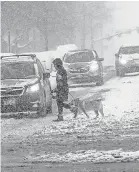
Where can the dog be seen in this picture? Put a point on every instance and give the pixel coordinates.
(94, 100)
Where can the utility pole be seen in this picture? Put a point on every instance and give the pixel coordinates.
(9, 41)
(83, 26)
(91, 30)
(101, 33)
(34, 39)
(16, 42)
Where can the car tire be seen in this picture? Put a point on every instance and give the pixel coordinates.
(49, 106)
(49, 110)
(49, 101)
(117, 72)
(121, 73)
(100, 81)
(43, 111)
(20, 116)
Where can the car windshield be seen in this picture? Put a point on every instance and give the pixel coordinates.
(129, 50)
(17, 70)
(79, 57)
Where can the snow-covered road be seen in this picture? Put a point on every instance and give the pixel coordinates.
(112, 139)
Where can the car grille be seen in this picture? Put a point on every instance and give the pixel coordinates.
(12, 91)
(81, 70)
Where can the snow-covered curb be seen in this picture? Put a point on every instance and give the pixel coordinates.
(87, 156)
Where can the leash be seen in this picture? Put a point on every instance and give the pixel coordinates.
(71, 95)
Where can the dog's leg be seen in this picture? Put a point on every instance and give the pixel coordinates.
(75, 111)
(74, 107)
(101, 110)
(97, 114)
(82, 107)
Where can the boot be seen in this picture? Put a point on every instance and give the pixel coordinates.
(60, 118)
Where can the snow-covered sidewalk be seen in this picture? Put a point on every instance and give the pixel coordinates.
(112, 139)
(121, 108)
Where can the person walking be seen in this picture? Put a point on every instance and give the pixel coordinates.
(62, 89)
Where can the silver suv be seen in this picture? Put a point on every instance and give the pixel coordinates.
(84, 66)
(127, 60)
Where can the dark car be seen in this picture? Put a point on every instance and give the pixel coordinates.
(127, 60)
(84, 66)
(25, 87)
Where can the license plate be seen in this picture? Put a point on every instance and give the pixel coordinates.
(9, 102)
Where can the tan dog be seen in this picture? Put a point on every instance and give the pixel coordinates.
(95, 101)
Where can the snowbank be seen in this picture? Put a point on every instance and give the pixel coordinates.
(88, 156)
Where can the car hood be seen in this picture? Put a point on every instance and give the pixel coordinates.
(18, 82)
(78, 65)
(133, 56)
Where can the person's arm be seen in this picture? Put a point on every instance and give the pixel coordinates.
(60, 80)
(60, 83)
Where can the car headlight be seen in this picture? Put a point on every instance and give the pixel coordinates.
(66, 66)
(94, 66)
(33, 88)
(123, 61)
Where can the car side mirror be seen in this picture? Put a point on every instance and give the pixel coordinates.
(116, 55)
(100, 59)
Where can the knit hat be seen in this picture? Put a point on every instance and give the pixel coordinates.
(58, 62)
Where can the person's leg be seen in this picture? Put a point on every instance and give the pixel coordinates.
(97, 114)
(101, 109)
(60, 109)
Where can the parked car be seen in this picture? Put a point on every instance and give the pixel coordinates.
(127, 60)
(46, 58)
(84, 65)
(25, 87)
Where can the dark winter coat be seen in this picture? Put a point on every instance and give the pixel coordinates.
(62, 85)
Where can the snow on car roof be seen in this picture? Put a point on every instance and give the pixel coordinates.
(12, 57)
(78, 51)
(130, 45)
(6, 54)
(67, 47)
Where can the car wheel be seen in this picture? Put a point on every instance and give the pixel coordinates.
(121, 73)
(48, 99)
(20, 116)
(117, 72)
(100, 81)
(42, 112)
(49, 105)
(49, 110)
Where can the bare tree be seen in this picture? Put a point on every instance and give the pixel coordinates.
(52, 17)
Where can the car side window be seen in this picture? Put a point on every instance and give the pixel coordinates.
(40, 68)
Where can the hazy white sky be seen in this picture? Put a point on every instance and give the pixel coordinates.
(127, 14)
